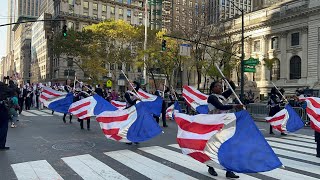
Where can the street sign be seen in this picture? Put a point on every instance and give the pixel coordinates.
(251, 62)
(185, 50)
(109, 83)
(249, 69)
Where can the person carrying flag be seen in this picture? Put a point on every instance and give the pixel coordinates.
(218, 104)
(274, 103)
(81, 95)
(68, 89)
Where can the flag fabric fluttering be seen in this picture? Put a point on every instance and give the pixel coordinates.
(60, 104)
(49, 93)
(119, 104)
(228, 141)
(90, 106)
(170, 110)
(134, 124)
(153, 102)
(286, 120)
(196, 99)
(313, 111)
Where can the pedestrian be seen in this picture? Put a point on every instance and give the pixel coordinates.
(217, 104)
(274, 103)
(4, 115)
(13, 107)
(22, 97)
(28, 97)
(317, 139)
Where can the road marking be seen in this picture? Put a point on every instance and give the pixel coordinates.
(186, 161)
(296, 155)
(25, 113)
(37, 112)
(297, 143)
(300, 139)
(50, 112)
(150, 168)
(303, 136)
(90, 168)
(300, 165)
(35, 170)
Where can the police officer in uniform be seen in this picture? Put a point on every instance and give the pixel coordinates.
(217, 104)
(4, 115)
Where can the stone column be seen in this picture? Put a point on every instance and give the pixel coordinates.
(284, 63)
(304, 58)
(264, 54)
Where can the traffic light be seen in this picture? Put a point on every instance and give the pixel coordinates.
(164, 45)
(64, 31)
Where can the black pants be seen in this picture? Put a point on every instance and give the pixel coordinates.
(64, 117)
(81, 123)
(318, 148)
(164, 122)
(28, 103)
(37, 102)
(21, 102)
(4, 118)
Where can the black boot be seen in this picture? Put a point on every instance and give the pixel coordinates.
(212, 171)
(231, 175)
(283, 134)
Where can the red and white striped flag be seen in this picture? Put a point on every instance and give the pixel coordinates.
(313, 111)
(49, 93)
(196, 99)
(278, 121)
(119, 104)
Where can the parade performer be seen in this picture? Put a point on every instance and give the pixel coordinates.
(68, 89)
(274, 103)
(163, 111)
(217, 103)
(81, 95)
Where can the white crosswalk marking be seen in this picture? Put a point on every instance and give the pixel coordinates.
(89, 168)
(146, 166)
(36, 112)
(293, 157)
(35, 170)
(303, 136)
(25, 113)
(39, 113)
(50, 112)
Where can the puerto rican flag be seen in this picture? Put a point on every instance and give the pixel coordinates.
(119, 104)
(134, 124)
(60, 104)
(196, 99)
(228, 141)
(313, 111)
(170, 110)
(153, 102)
(90, 106)
(286, 120)
(49, 93)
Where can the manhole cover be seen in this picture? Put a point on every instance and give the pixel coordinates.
(73, 145)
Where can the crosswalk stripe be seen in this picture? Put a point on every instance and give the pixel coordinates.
(291, 147)
(300, 139)
(297, 143)
(300, 165)
(39, 113)
(89, 168)
(25, 113)
(35, 170)
(284, 174)
(50, 112)
(146, 166)
(303, 136)
(296, 155)
(186, 161)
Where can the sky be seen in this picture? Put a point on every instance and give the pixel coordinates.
(3, 29)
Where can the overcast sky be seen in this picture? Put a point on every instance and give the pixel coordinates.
(3, 29)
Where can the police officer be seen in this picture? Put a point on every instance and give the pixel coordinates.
(274, 103)
(4, 115)
(217, 104)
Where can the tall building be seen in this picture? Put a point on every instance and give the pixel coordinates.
(46, 6)
(26, 8)
(260, 4)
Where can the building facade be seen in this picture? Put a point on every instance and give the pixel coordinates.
(289, 36)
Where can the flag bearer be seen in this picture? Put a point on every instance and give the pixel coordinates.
(217, 103)
(81, 95)
(274, 103)
(68, 89)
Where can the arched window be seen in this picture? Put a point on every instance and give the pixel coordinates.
(295, 67)
(276, 69)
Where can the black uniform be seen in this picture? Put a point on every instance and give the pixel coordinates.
(4, 115)
(163, 112)
(317, 139)
(21, 97)
(274, 103)
(28, 98)
(130, 98)
(78, 97)
(68, 89)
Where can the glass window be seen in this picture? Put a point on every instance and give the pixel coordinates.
(256, 46)
(295, 40)
(112, 10)
(104, 8)
(86, 4)
(129, 2)
(190, 3)
(95, 6)
(276, 70)
(295, 67)
(274, 43)
(129, 13)
(70, 62)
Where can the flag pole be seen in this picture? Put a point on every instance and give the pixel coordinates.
(164, 87)
(224, 78)
(131, 84)
(279, 91)
(74, 82)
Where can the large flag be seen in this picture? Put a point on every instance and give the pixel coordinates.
(313, 111)
(49, 93)
(153, 102)
(196, 99)
(286, 120)
(229, 141)
(134, 124)
(60, 104)
(90, 106)
(170, 110)
(119, 104)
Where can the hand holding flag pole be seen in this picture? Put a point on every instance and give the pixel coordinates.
(131, 85)
(279, 92)
(224, 78)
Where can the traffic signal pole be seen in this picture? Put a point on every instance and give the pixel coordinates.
(22, 22)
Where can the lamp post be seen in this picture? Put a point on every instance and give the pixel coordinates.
(242, 53)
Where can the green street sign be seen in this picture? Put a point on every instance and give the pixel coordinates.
(251, 62)
(248, 69)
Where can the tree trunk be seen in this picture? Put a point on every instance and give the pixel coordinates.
(154, 80)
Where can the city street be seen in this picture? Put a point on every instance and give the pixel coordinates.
(43, 147)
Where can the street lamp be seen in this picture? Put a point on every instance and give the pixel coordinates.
(242, 54)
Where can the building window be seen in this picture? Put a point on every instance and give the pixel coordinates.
(86, 4)
(128, 13)
(256, 46)
(112, 10)
(295, 67)
(120, 66)
(120, 12)
(129, 2)
(190, 3)
(295, 39)
(95, 15)
(275, 70)
(95, 6)
(71, 2)
(104, 8)
(274, 43)
(70, 62)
